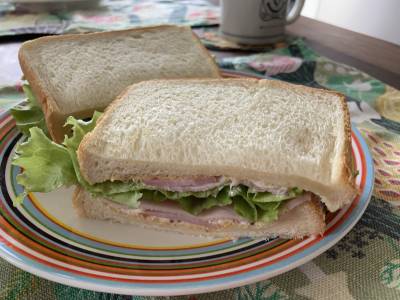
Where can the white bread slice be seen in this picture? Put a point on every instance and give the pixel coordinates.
(304, 220)
(269, 131)
(79, 73)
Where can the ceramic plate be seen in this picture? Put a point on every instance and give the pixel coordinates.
(45, 237)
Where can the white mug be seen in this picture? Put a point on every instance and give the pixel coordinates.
(257, 22)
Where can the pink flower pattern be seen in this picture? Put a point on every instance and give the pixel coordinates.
(277, 64)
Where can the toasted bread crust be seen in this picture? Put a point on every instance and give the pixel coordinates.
(49, 106)
(346, 175)
(210, 59)
(317, 207)
(55, 118)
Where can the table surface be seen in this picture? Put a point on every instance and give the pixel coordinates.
(373, 56)
(376, 57)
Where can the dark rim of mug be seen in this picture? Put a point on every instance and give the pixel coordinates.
(253, 37)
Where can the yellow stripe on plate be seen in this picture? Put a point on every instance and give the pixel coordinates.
(112, 243)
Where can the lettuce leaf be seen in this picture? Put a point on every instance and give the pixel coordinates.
(268, 197)
(178, 195)
(195, 205)
(122, 192)
(268, 212)
(245, 208)
(79, 128)
(29, 114)
(262, 206)
(48, 166)
(130, 199)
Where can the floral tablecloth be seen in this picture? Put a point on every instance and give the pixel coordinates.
(105, 15)
(365, 264)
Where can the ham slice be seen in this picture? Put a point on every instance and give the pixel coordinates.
(205, 183)
(293, 203)
(258, 186)
(172, 211)
(189, 184)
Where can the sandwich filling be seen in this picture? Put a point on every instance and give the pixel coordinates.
(250, 200)
(212, 217)
(204, 183)
(198, 198)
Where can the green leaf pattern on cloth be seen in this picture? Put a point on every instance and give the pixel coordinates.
(348, 81)
(390, 274)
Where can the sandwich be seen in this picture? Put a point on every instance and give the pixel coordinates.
(210, 157)
(74, 75)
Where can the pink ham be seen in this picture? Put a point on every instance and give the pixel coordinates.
(189, 184)
(298, 200)
(199, 184)
(203, 183)
(172, 211)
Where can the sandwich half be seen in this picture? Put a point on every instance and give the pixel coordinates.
(224, 157)
(74, 75)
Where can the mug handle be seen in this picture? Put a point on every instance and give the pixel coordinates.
(294, 12)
